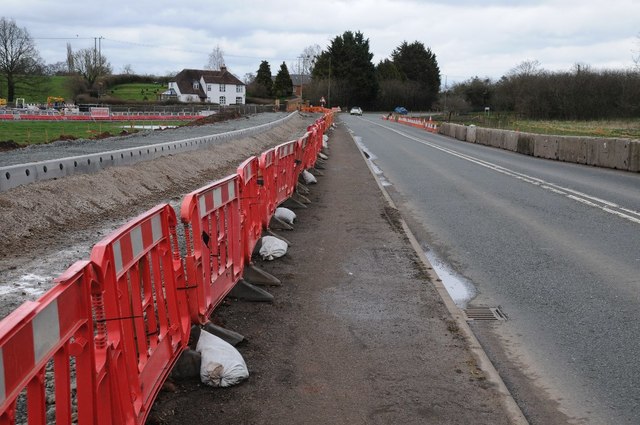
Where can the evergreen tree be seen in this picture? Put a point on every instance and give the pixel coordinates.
(417, 63)
(347, 64)
(283, 86)
(263, 82)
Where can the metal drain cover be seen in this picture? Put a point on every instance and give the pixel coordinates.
(485, 314)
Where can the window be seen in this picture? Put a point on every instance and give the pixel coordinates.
(222, 87)
(239, 88)
(238, 100)
(208, 87)
(223, 100)
(196, 85)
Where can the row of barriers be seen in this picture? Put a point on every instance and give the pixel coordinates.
(423, 123)
(97, 347)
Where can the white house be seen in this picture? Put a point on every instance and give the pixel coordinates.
(195, 85)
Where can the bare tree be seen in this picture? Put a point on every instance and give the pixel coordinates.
(18, 55)
(127, 69)
(91, 65)
(636, 53)
(70, 62)
(216, 59)
(308, 58)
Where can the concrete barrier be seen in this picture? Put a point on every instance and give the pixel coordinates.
(524, 144)
(510, 142)
(621, 154)
(609, 153)
(461, 132)
(471, 133)
(634, 156)
(482, 136)
(545, 146)
(572, 149)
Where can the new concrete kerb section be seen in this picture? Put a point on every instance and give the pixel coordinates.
(511, 407)
(17, 175)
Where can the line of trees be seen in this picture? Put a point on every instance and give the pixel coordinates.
(581, 93)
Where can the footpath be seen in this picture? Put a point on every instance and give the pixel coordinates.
(358, 332)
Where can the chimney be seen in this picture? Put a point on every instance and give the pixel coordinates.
(223, 69)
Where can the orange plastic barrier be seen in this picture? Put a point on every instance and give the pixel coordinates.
(250, 205)
(37, 343)
(268, 194)
(118, 323)
(286, 167)
(145, 312)
(214, 260)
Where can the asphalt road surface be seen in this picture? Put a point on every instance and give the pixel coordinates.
(556, 246)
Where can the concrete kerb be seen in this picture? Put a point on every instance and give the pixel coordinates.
(484, 363)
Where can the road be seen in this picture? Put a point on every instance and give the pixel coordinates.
(556, 246)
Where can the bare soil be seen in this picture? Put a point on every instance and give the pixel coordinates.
(357, 333)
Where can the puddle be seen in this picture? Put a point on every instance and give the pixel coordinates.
(371, 158)
(460, 289)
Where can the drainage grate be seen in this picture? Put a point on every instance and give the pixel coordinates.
(485, 314)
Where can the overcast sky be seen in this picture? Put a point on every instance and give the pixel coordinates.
(469, 38)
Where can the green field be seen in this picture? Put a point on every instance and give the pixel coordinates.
(37, 132)
(624, 128)
(137, 91)
(37, 89)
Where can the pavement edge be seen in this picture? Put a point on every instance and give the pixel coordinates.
(484, 363)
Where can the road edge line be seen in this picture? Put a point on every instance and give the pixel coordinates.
(484, 363)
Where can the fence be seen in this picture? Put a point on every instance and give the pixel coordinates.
(107, 334)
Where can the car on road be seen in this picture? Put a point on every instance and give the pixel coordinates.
(356, 110)
(401, 110)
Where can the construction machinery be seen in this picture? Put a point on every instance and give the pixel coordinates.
(55, 102)
(3, 102)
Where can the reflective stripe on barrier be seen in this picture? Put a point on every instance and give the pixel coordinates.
(268, 193)
(146, 314)
(251, 219)
(56, 328)
(214, 260)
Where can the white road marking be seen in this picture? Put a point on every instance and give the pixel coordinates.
(583, 198)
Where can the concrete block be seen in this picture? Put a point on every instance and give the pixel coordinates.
(525, 143)
(545, 146)
(482, 136)
(634, 156)
(608, 153)
(471, 133)
(510, 142)
(461, 132)
(572, 149)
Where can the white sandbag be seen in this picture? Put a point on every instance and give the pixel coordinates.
(308, 177)
(272, 248)
(322, 156)
(325, 139)
(222, 365)
(285, 214)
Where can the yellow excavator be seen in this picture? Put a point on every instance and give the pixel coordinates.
(3, 102)
(55, 102)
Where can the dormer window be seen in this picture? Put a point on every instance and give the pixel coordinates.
(196, 85)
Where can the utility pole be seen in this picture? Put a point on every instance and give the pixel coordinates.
(329, 89)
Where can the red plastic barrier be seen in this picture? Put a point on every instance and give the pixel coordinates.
(144, 309)
(268, 194)
(286, 170)
(250, 205)
(52, 331)
(214, 260)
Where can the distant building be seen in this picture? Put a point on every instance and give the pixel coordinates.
(299, 82)
(195, 85)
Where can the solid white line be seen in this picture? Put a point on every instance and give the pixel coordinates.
(583, 198)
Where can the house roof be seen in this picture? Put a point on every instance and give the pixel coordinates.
(299, 79)
(187, 77)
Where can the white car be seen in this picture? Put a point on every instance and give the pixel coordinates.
(356, 111)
